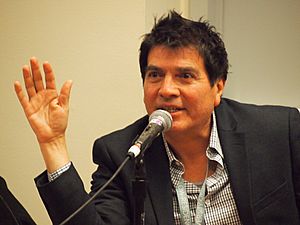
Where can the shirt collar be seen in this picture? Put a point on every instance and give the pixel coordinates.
(214, 141)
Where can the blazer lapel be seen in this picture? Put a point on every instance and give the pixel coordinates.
(235, 155)
(238, 172)
(159, 182)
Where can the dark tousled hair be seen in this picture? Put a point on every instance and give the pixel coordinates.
(174, 31)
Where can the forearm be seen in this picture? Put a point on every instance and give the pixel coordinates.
(55, 154)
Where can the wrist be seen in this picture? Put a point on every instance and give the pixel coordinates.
(55, 153)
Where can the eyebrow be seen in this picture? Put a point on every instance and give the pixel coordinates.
(179, 69)
(188, 69)
(152, 68)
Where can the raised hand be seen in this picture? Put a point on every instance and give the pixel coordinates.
(46, 110)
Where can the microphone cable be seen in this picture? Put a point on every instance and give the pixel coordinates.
(128, 157)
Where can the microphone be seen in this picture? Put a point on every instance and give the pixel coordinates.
(159, 121)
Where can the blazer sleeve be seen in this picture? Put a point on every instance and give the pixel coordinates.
(66, 194)
(63, 196)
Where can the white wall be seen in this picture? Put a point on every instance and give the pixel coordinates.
(157, 8)
(263, 42)
(94, 43)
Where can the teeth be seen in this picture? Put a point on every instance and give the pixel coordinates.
(171, 109)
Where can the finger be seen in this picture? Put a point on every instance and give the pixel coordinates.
(49, 76)
(22, 98)
(65, 94)
(30, 88)
(36, 74)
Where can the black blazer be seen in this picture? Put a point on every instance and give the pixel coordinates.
(261, 146)
(11, 210)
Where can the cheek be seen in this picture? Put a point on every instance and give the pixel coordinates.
(200, 103)
(149, 99)
(146, 95)
(150, 92)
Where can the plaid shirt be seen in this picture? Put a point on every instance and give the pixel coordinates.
(220, 207)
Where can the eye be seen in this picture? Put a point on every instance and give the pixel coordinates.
(186, 75)
(152, 74)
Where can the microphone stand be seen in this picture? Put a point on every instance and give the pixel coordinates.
(139, 191)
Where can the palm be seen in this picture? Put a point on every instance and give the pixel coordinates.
(47, 118)
(45, 109)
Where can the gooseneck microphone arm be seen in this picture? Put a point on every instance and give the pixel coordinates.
(139, 186)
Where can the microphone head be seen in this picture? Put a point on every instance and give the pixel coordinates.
(162, 118)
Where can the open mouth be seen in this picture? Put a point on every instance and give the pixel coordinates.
(171, 109)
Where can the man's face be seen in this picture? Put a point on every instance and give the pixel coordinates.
(176, 80)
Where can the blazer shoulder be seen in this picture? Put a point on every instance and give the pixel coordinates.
(119, 140)
(254, 109)
(247, 115)
(127, 132)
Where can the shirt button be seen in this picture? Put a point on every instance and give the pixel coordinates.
(211, 154)
(177, 163)
(207, 202)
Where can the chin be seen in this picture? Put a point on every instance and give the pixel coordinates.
(175, 129)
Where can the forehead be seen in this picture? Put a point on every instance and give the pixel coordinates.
(166, 56)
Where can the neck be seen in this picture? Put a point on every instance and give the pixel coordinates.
(189, 144)
(191, 151)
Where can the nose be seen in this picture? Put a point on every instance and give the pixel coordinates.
(168, 88)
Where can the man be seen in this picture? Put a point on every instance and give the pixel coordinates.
(222, 162)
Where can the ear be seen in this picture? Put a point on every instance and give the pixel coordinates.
(219, 87)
